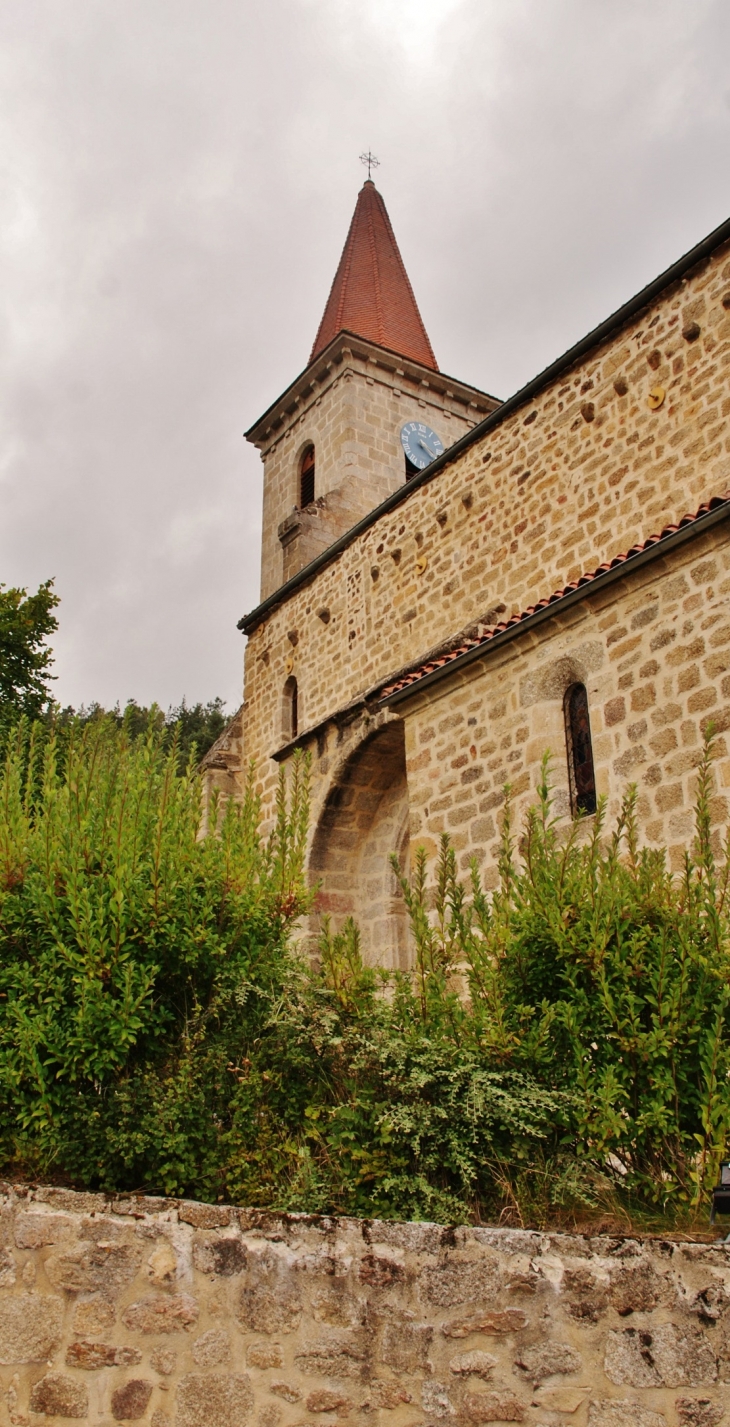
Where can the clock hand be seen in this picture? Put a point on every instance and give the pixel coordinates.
(427, 448)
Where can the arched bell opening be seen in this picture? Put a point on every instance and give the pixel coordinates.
(364, 820)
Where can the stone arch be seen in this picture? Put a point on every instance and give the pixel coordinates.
(364, 819)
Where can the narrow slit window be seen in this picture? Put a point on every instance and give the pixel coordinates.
(306, 478)
(580, 751)
(290, 710)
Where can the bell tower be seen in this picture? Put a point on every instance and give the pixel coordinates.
(369, 409)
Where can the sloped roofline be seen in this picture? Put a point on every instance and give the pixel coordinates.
(371, 285)
(606, 329)
(408, 682)
(436, 379)
(689, 527)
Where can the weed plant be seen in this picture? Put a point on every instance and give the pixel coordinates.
(559, 1049)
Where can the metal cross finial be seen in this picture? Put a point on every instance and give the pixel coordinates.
(370, 160)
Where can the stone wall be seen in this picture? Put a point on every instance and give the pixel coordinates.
(654, 654)
(350, 404)
(588, 468)
(178, 1314)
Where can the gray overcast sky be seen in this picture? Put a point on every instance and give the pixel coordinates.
(178, 177)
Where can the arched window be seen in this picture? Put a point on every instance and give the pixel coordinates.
(290, 709)
(306, 478)
(580, 751)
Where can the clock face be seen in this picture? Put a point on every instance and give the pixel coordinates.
(420, 443)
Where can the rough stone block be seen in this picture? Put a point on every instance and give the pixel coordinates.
(93, 1316)
(270, 1307)
(36, 1230)
(404, 1346)
(699, 1411)
(225, 1256)
(496, 1323)
(56, 1395)
(286, 1390)
(323, 1400)
(477, 1363)
(435, 1400)
(456, 1281)
(30, 1327)
(545, 1360)
(90, 1267)
(204, 1399)
(339, 1355)
(163, 1360)
(204, 1216)
(499, 1406)
(129, 1402)
(8, 1274)
(264, 1355)
(634, 1290)
(623, 1412)
(161, 1313)
(90, 1356)
(385, 1395)
(661, 1356)
(212, 1348)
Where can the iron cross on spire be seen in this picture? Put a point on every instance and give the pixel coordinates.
(370, 160)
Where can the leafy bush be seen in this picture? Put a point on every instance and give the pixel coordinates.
(128, 950)
(558, 1042)
(594, 970)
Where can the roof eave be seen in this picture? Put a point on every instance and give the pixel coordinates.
(598, 335)
(329, 353)
(664, 545)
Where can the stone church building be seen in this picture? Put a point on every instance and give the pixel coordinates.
(452, 585)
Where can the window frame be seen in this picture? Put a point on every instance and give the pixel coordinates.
(290, 709)
(307, 472)
(581, 775)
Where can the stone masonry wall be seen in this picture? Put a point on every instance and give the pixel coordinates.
(587, 469)
(179, 1314)
(352, 414)
(653, 651)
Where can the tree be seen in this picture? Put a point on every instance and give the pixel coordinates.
(26, 621)
(194, 724)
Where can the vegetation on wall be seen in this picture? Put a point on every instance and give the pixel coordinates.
(561, 1043)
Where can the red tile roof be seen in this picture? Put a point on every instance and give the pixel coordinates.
(371, 295)
(483, 640)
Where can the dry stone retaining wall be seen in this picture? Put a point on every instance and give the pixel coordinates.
(179, 1314)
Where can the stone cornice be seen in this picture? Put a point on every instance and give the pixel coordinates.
(356, 356)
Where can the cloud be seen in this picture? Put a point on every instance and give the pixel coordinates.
(179, 180)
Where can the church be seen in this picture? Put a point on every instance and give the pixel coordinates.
(452, 585)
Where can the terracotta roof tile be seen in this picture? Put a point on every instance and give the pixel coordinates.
(371, 295)
(416, 675)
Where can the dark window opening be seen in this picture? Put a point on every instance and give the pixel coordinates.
(580, 751)
(411, 470)
(306, 478)
(290, 710)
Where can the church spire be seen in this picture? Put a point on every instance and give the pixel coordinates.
(371, 295)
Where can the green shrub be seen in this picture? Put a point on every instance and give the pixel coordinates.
(597, 972)
(560, 1043)
(130, 953)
